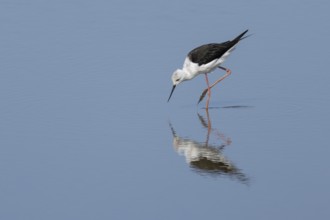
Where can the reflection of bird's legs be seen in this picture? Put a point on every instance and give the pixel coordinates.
(209, 126)
(220, 136)
(226, 140)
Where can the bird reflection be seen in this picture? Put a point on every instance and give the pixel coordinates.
(205, 158)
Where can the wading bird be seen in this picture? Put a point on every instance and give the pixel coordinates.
(203, 60)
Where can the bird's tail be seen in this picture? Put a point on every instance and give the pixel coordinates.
(240, 37)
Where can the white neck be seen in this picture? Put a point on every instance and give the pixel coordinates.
(190, 69)
(188, 75)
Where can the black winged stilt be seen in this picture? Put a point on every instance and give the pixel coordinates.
(203, 60)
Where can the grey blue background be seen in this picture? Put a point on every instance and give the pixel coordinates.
(85, 127)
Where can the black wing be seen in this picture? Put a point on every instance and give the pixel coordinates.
(208, 52)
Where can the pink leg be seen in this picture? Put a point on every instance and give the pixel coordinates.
(228, 72)
(208, 91)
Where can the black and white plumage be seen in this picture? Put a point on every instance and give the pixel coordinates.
(204, 59)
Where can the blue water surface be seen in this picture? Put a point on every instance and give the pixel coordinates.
(86, 132)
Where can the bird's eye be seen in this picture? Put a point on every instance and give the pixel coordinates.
(177, 80)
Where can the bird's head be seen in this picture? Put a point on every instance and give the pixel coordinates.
(177, 77)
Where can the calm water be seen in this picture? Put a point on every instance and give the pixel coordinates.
(86, 132)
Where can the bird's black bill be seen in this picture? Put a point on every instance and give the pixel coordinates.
(171, 93)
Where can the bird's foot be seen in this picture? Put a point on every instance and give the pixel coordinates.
(202, 96)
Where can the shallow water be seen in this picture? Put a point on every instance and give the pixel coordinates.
(86, 131)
